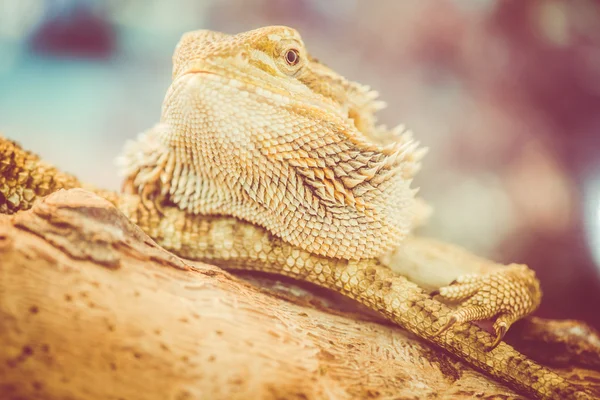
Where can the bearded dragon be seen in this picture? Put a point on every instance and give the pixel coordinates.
(267, 160)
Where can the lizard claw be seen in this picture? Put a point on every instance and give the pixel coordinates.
(506, 295)
(451, 321)
(500, 330)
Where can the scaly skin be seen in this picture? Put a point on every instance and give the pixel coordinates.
(234, 244)
(272, 162)
(24, 178)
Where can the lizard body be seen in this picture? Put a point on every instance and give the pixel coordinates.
(265, 159)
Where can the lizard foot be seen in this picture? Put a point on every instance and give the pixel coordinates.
(508, 295)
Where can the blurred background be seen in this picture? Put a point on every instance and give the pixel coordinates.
(506, 94)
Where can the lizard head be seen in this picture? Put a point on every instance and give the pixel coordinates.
(254, 127)
(275, 59)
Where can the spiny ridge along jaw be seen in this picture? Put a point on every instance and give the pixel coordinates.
(397, 143)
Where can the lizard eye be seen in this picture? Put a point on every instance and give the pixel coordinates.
(292, 57)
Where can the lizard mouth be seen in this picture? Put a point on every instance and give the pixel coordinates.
(198, 70)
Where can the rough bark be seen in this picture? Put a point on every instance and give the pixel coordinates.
(91, 308)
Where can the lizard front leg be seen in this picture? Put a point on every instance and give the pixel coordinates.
(483, 288)
(435, 265)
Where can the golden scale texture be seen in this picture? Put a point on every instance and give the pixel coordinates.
(269, 161)
(24, 177)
